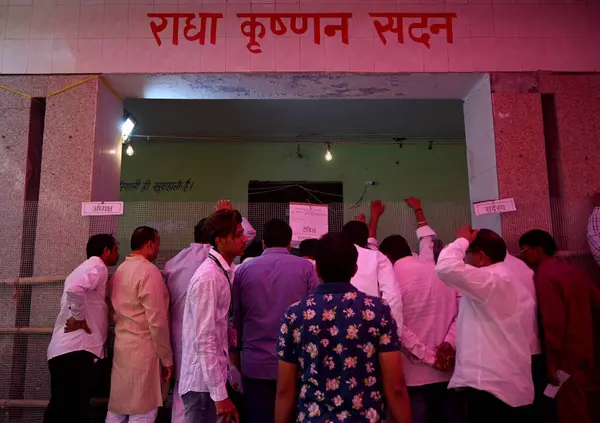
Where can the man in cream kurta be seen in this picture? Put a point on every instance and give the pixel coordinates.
(142, 343)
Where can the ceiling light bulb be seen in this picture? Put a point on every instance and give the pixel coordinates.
(328, 155)
(129, 151)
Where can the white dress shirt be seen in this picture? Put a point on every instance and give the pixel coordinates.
(177, 273)
(375, 276)
(492, 346)
(84, 297)
(430, 311)
(205, 362)
(525, 276)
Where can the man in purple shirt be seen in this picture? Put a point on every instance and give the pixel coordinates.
(263, 288)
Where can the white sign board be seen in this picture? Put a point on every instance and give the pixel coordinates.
(496, 206)
(308, 221)
(102, 208)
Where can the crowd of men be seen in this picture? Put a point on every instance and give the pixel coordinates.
(348, 331)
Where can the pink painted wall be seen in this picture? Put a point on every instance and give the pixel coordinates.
(114, 36)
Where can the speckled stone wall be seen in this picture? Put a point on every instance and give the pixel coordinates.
(521, 162)
(81, 162)
(577, 103)
(14, 133)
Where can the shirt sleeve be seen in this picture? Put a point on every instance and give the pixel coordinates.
(236, 299)
(411, 343)
(288, 345)
(477, 283)
(203, 297)
(77, 288)
(451, 334)
(154, 297)
(312, 279)
(389, 340)
(593, 234)
(372, 244)
(390, 288)
(425, 235)
(552, 313)
(249, 231)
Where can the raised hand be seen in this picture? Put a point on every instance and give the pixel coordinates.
(224, 205)
(413, 203)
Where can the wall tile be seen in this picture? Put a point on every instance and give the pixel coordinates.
(237, 56)
(361, 58)
(91, 22)
(287, 56)
(14, 56)
(89, 55)
(64, 56)
(19, 22)
(114, 55)
(116, 20)
(39, 60)
(42, 22)
(66, 22)
(139, 54)
(213, 57)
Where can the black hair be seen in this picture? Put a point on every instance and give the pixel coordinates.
(220, 224)
(277, 233)
(308, 247)
(141, 236)
(395, 247)
(201, 237)
(253, 250)
(539, 238)
(358, 232)
(336, 258)
(97, 243)
(491, 244)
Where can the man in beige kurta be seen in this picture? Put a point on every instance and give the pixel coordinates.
(142, 344)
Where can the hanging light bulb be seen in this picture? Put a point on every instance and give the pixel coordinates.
(328, 155)
(129, 151)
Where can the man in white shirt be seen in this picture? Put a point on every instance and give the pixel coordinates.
(375, 275)
(493, 353)
(429, 312)
(207, 331)
(177, 273)
(80, 333)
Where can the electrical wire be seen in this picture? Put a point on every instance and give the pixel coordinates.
(361, 198)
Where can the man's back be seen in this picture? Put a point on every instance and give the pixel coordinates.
(430, 308)
(141, 302)
(573, 316)
(490, 331)
(335, 336)
(263, 289)
(178, 273)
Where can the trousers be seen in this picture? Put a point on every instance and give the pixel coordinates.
(70, 377)
(259, 400)
(434, 403)
(148, 417)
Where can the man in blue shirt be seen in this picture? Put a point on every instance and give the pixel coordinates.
(339, 350)
(262, 289)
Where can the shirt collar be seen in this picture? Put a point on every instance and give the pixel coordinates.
(276, 250)
(96, 261)
(335, 288)
(220, 258)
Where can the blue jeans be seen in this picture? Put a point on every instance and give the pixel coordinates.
(259, 400)
(434, 403)
(199, 408)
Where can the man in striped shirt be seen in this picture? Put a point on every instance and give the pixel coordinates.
(430, 310)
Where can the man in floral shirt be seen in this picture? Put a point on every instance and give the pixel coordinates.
(340, 347)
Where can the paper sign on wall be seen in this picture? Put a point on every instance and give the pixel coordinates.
(308, 221)
(495, 206)
(102, 208)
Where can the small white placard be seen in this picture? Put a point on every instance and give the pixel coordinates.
(495, 206)
(552, 390)
(102, 208)
(308, 221)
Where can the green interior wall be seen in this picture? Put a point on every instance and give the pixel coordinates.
(222, 170)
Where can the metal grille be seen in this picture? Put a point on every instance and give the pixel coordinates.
(28, 307)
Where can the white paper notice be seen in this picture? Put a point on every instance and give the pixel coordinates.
(496, 206)
(308, 221)
(99, 208)
(552, 390)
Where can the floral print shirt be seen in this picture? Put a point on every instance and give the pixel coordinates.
(334, 336)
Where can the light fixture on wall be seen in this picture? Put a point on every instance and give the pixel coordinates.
(127, 126)
(129, 150)
(328, 155)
